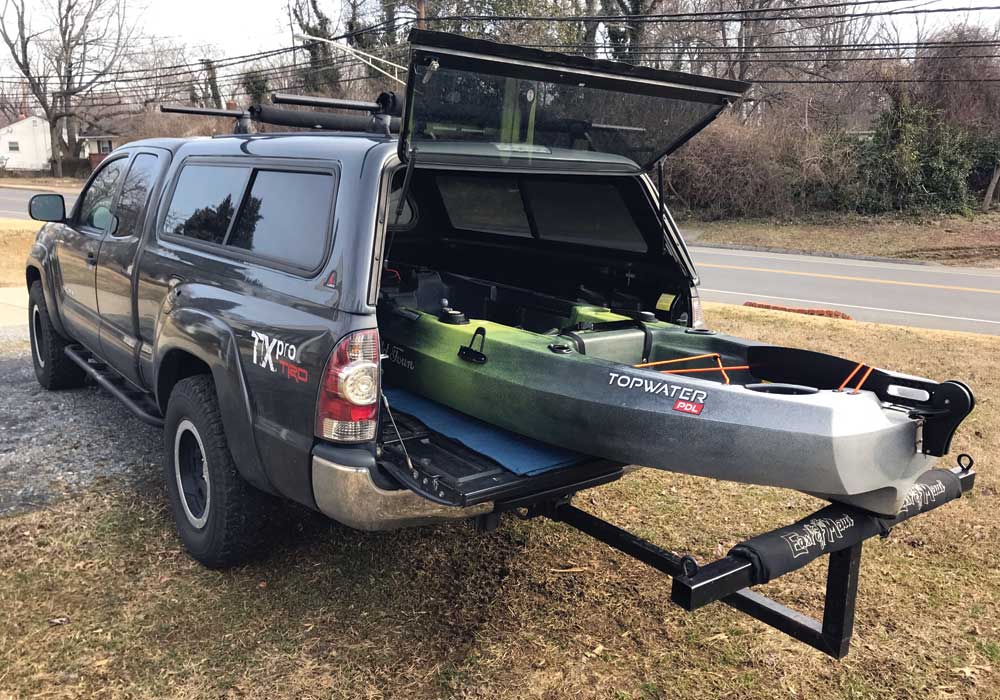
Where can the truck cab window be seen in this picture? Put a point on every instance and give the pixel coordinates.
(135, 192)
(286, 217)
(205, 201)
(95, 210)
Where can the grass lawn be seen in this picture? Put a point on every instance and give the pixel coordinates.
(42, 183)
(99, 600)
(947, 240)
(16, 237)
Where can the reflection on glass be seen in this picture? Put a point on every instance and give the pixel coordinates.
(204, 201)
(95, 212)
(525, 118)
(286, 217)
(135, 190)
(581, 211)
(491, 204)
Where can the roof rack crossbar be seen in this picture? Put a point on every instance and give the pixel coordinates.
(283, 98)
(204, 111)
(276, 116)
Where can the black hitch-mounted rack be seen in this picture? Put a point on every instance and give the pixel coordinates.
(837, 531)
(448, 473)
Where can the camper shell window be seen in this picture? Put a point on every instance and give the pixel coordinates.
(589, 212)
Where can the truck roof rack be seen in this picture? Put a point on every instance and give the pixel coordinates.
(383, 114)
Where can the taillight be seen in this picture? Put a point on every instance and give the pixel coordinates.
(347, 408)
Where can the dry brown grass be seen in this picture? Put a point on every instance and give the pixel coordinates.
(43, 183)
(950, 240)
(16, 237)
(442, 612)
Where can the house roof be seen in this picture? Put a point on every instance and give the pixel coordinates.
(5, 121)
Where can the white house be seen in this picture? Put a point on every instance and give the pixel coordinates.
(25, 145)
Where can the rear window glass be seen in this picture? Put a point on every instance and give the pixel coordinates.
(286, 217)
(489, 204)
(205, 201)
(581, 211)
(591, 213)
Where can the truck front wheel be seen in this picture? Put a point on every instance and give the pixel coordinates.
(52, 368)
(218, 515)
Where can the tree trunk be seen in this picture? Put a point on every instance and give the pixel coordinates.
(55, 137)
(988, 197)
(72, 138)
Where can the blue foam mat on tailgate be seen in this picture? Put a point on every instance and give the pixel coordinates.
(521, 455)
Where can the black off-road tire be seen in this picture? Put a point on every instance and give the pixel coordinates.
(225, 531)
(52, 368)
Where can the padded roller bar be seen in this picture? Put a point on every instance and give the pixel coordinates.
(829, 530)
(316, 120)
(837, 530)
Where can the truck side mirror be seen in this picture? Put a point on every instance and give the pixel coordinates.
(47, 207)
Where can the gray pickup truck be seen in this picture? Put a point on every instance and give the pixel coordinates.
(227, 290)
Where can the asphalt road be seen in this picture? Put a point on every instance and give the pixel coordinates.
(928, 296)
(14, 201)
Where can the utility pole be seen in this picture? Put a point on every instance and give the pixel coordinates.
(421, 14)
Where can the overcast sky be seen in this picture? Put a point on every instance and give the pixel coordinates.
(234, 27)
(246, 25)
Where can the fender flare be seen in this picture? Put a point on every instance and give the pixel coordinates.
(207, 338)
(38, 259)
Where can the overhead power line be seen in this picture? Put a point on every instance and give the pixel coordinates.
(778, 14)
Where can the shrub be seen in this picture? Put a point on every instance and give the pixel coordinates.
(913, 161)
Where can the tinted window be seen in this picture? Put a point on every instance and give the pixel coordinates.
(286, 217)
(135, 192)
(95, 211)
(587, 213)
(205, 201)
(490, 204)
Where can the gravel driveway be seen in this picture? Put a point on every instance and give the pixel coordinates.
(54, 444)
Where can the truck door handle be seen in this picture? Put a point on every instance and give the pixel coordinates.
(91, 259)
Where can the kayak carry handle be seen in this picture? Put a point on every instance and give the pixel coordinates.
(469, 352)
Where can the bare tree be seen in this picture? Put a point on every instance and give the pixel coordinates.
(64, 52)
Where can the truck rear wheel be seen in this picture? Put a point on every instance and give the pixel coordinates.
(217, 513)
(52, 368)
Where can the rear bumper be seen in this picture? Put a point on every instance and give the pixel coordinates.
(350, 496)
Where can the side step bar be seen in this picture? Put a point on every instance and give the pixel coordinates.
(837, 530)
(136, 401)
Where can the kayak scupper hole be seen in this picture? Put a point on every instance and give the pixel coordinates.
(784, 389)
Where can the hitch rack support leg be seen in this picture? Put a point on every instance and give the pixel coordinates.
(833, 635)
(729, 580)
